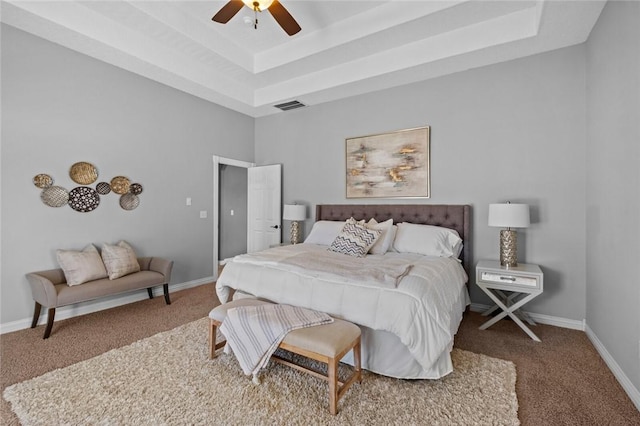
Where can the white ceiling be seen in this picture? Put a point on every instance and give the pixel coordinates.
(345, 48)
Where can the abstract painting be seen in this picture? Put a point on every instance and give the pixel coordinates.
(386, 165)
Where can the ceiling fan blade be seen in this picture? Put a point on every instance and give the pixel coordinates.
(284, 18)
(228, 11)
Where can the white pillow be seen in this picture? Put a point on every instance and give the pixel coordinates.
(383, 243)
(119, 259)
(355, 239)
(324, 232)
(81, 266)
(427, 240)
(392, 237)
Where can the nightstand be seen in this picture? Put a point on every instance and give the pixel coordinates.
(510, 288)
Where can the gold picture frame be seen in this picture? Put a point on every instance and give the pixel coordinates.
(389, 165)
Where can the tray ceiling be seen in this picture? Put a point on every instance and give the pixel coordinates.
(345, 48)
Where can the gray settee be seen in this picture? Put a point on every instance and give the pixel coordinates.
(49, 288)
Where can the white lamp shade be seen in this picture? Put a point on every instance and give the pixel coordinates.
(509, 215)
(294, 212)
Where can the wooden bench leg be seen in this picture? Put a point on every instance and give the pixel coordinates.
(357, 361)
(36, 315)
(150, 292)
(50, 317)
(213, 344)
(333, 385)
(213, 329)
(165, 288)
(336, 392)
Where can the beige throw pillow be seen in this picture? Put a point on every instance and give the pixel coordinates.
(383, 243)
(81, 266)
(119, 259)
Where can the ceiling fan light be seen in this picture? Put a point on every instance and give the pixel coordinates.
(262, 4)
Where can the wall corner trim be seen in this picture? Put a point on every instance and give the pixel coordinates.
(623, 379)
(625, 382)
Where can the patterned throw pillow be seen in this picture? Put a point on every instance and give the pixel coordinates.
(355, 239)
(119, 259)
(81, 266)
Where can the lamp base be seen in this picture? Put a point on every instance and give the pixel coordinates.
(508, 248)
(295, 229)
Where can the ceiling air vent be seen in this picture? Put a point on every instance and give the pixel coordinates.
(286, 106)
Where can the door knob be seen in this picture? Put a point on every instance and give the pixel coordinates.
(274, 226)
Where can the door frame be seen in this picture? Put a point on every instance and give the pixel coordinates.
(217, 161)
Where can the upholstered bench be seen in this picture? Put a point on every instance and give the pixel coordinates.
(327, 343)
(50, 289)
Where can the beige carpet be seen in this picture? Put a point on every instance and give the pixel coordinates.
(167, 379)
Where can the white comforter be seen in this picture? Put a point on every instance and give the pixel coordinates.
(420, 310)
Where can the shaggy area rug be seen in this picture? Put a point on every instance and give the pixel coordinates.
(167, 379)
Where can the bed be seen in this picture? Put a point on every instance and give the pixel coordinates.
(408, 321)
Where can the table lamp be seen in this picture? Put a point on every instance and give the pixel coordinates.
(294, 213)
(508, 216)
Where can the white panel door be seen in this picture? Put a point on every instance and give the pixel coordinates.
(264, 207)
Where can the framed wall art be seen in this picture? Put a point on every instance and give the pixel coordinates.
(389, 165)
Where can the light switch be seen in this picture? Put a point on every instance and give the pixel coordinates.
(231, 213)
(188, 201)
(203, 214)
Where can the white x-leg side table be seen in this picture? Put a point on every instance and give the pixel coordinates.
(510, 288)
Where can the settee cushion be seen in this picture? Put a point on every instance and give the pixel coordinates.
(105, 287)
(119, 259)
(81, 266)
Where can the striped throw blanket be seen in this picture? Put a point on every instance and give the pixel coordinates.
(254, 332)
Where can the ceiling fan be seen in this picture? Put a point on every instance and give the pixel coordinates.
(279, 13)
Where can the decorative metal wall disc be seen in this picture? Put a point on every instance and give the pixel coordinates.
(120, 185)
(54, 196)
(83, 173)
(135, 188)
(103, 188)
(83, 199)
(42, 180)
(129, 201)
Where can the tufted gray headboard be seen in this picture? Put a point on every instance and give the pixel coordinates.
(452, 216)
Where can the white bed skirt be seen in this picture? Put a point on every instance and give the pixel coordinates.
(384, 353)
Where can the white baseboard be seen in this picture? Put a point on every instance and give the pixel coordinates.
(83, 308)
(629, 388)
(542, 319)
(623, 379)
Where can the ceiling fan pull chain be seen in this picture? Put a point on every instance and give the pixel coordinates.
(256, 9)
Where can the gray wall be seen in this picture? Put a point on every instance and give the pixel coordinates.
(613, 183)
(60, 107)
(513, 131)
(233, 196)
(524, 130)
